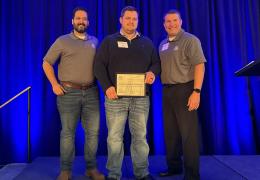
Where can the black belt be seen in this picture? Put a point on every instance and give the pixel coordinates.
(168, 85)
(178, 84)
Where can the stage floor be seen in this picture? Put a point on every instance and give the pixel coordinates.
(211, 168)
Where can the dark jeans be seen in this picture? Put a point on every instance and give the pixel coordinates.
(181, 130)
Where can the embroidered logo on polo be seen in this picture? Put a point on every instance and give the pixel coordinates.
(176, 48)
(93, 45)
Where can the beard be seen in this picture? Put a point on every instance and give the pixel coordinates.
(80, 28)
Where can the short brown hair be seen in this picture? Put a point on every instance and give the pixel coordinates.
(78, 9)
(128, 8)
(172, 11)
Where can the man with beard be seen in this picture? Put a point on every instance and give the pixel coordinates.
(182, 62)
(77, 93)
(126, 52)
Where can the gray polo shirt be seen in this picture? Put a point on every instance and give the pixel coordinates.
(76, 58)
(179, 57)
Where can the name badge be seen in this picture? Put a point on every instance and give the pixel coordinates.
(122, 44)
(165, 46)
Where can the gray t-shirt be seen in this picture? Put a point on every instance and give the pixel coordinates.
(76, 58)
(179, 57)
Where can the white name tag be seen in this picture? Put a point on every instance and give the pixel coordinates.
(122, 44)
(165, 46)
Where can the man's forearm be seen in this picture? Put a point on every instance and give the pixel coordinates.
(199, 75)
(49, 72)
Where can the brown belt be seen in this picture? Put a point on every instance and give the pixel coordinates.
(78, 86)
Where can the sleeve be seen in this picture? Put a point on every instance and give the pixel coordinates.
(101, 65)
(156, 63)
(195, 52)
(54, 52)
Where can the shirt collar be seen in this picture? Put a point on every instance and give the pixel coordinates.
(137, 34)
(72, 35)
(177, 37)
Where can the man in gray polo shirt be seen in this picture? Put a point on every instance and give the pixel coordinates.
(77, 93)
(182, 63)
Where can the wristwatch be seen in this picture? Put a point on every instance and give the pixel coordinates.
(197, 90)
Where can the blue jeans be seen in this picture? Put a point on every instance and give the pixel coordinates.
(117, 112)
(74, 105)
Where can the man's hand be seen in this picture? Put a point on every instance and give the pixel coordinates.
(58, 90)
(111, 93)
(149, 77)
(194, 101)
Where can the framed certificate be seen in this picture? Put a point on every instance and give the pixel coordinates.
(130, 84)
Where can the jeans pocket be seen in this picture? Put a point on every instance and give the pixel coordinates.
(67, 89)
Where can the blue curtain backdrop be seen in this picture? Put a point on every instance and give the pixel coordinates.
(230, 106)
